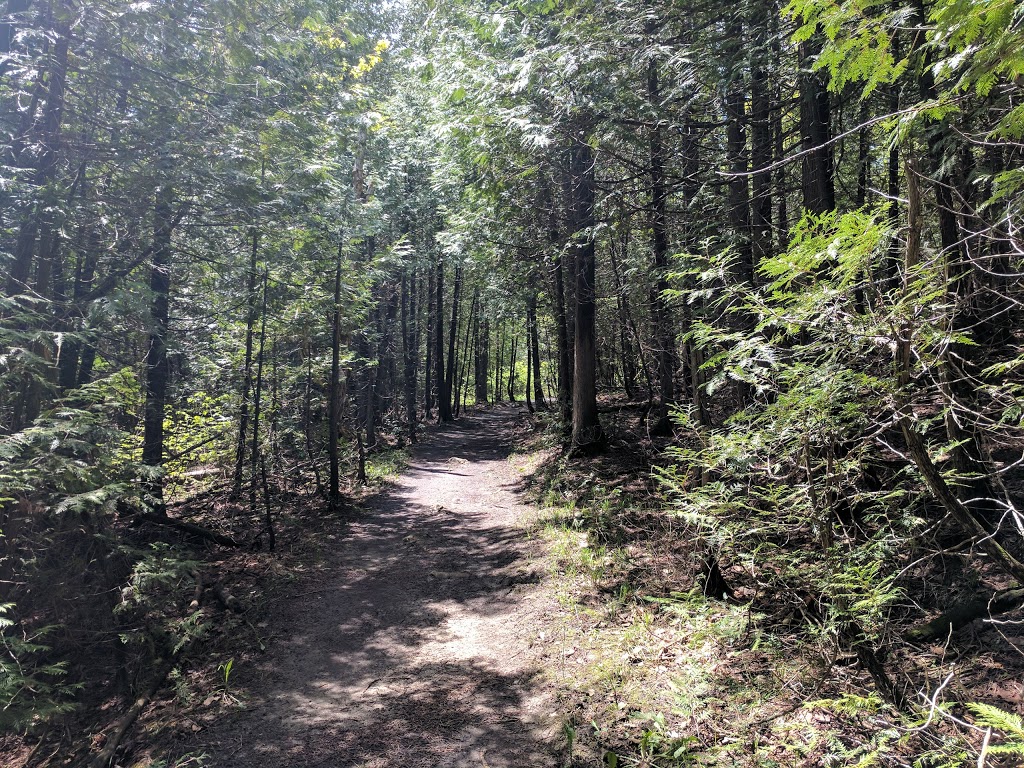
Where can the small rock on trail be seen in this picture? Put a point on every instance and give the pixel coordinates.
(415, 649)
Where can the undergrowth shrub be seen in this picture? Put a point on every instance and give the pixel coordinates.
(803, 488)
(90, 595)
(32, 690)
(807, 499)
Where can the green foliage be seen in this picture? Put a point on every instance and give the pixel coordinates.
(385, 465)
(859, 36)
(982, 42)
(843, 245)
(659, 746)
(974, 45)
(1008, 724)
(159, 581)
(71, 459)
(783, 469)
(32, 689)
(226, 669)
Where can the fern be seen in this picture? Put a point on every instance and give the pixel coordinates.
(1010, 725)
(32, 691)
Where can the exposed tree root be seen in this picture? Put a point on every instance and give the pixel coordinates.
(964, 613)
(105, 756)
(191, 529)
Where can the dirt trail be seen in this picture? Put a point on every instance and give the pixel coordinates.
(415, 649)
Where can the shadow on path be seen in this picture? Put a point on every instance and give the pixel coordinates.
(413, 649)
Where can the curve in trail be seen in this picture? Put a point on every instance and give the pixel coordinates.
(415, 648)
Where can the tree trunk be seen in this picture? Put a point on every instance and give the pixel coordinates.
(499, 365)
(534, 337)
(367, 395)
(453, 329)
(307, 418)
(760, 139)
(462, 386)
(562, 348)
(738, 161)
(386, 387)
(815, 131)
(587, 434)
(157, 365)
(529, 373)
(625, 345)
(334, 390)
(627, 320)
(483, 368)
(429, 380)
(662, 336)
(257, 404)
(890, 265)
(243, 408)
(512, 370)
(410, 343)
(778, 139)
(444, 406)
(40, 219)
(85, 272)
(967, 452)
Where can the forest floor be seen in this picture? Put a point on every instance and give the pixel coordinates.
(414, 642)
(493, 603)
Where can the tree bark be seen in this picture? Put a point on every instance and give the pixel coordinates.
(529, 374)
(964, 613)
(429, 380)
(243, 408)
(462, 361)
(385, 387)
(499, 365)
(307, 418)
(157, 364)
(444, 405)
(534, 338)
(512, 370)
(563, 350)
(587, 435)
(662, 335)
(40, 219)
(453, 329)
(760, 138)
(259, 466)
(817, 167)
(970, 519)
(967, 452)
(738, 160)
(627, 328)
(410, 342)
(483, 367)
(334, 390)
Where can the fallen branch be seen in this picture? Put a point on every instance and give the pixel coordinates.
(228, 601)
(964, 613)
(106, 755)
(191, 528)
(197, 595)
(195, 446)
(956, 509)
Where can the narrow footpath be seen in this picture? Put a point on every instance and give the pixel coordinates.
(414, 647)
